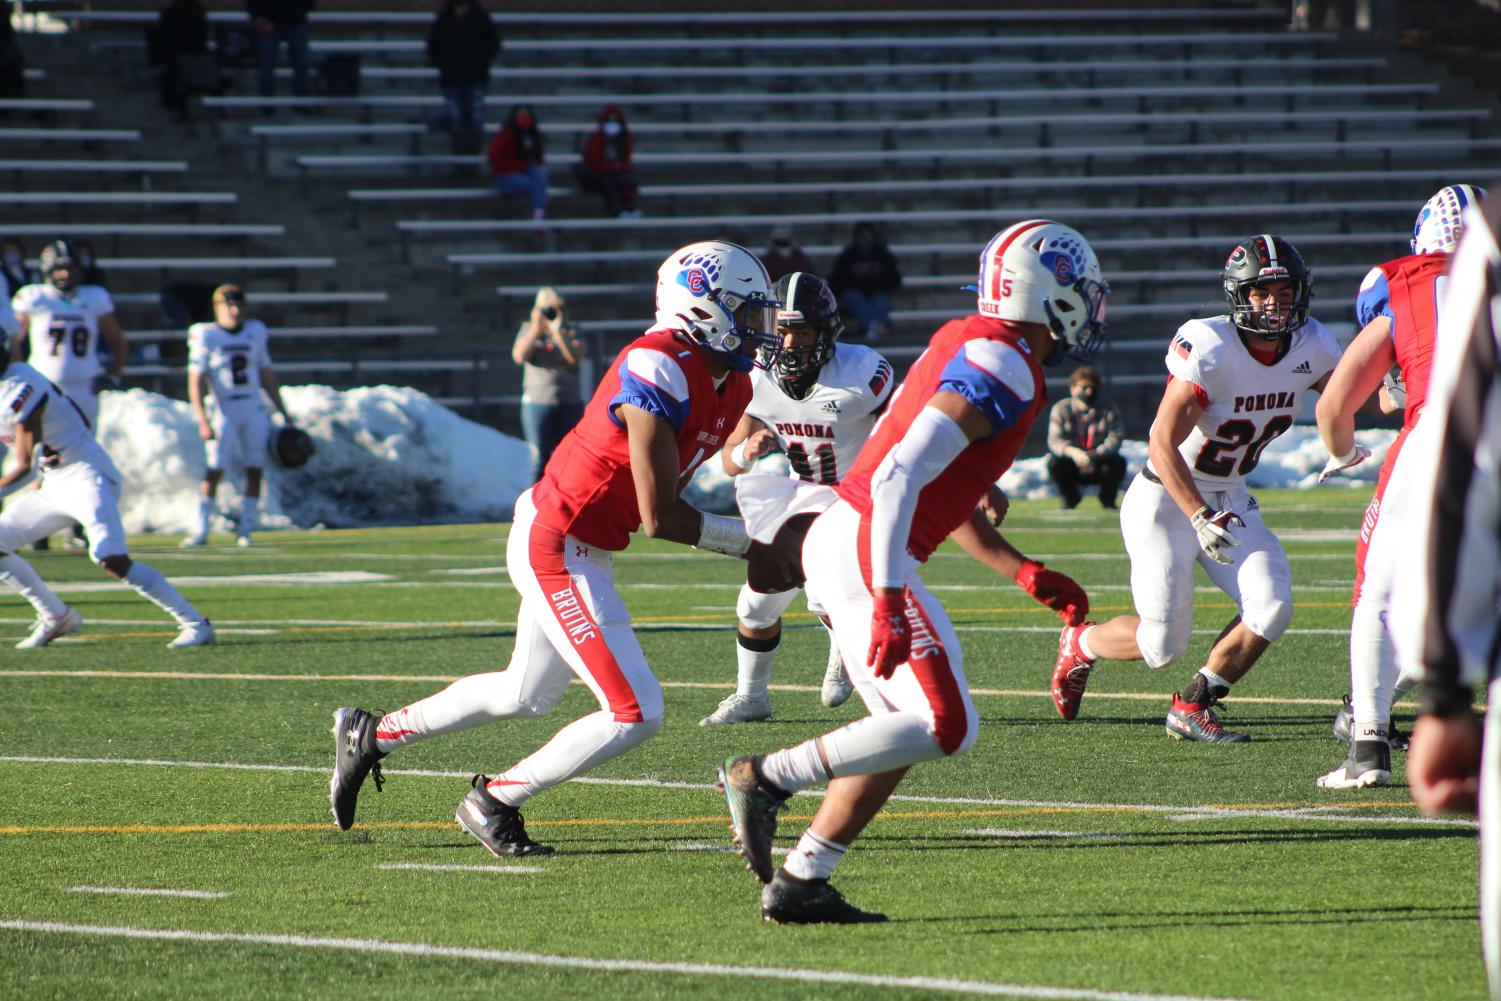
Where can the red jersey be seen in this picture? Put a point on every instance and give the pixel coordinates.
(587, 489)
(992, 368)
(1407, 291)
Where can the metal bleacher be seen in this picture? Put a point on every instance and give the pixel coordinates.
(1164, 133)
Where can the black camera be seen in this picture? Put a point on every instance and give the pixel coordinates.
(549, 312)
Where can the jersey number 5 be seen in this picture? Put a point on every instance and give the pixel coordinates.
(1217, 458)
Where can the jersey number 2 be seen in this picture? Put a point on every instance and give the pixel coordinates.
(1216, 457)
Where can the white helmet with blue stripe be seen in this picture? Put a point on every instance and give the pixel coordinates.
(719, 295)
(1441, 222)
(1040, 271)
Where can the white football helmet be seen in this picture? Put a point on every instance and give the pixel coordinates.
(1040, 271)
(719, 295)
(1439, 225)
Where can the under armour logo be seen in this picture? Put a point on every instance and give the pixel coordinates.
(581, 550)
(1303, 368)
(718, 423)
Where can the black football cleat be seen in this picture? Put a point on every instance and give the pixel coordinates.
(496, 825)
(788, 900)
(753, 803)
(355, 756)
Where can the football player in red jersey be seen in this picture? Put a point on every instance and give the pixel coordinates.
(1397, 309)
(954, 426)
(1234, 385)
(666, 404)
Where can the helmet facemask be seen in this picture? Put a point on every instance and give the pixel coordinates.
(697, 296)
(1273, 320)
(807, 305)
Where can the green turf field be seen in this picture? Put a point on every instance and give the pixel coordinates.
(1094, 859)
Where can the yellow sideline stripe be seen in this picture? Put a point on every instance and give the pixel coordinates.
(435, 825)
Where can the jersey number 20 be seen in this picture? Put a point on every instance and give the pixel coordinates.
(1217, 456)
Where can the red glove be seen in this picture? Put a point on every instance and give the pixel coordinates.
(890, 640)
(1057, 591)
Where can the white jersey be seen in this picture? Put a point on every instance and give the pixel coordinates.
(66, 437)
(63, 329)
(1246, 404)
(822, 433)
(232, 360)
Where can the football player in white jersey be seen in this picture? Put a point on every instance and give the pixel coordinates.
(60, 321)
(1235, 383)
(230, 357)
(78, 483)
(816, 406)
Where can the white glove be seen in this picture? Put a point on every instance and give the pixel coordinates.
(1216, 531)
(1358, 453)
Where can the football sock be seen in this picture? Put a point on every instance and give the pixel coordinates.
(1218, 687)
(753, 659)
(814, 857)
(865, 747)
(1081, 644)
(479, 698)
(155, 588)
(1373, 670)
(205, 515)
(19, 576)
(575, 749)
(794, 768)
(250, 510)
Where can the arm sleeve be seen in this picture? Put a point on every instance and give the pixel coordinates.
(993, 378)
(929, 446)
(654, 382)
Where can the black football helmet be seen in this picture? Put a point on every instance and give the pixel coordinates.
(806, 300)
(53, 256)
(291, 447)
(1262, 259)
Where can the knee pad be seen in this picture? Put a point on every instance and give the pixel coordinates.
(1269, 618)
(1161, 643)
(761, 611)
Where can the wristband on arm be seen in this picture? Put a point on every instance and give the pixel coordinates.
(719, 534)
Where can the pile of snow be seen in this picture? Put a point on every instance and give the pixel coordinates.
(389, 455)
(386, 455)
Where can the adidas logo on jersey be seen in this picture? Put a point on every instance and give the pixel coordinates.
(1303, 368)
(831, 407)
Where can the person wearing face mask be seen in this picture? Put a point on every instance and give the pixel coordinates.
(517, 161)
(605, 167)
(783, 256)
(462, 43)
(1084, 441)
(865, 276)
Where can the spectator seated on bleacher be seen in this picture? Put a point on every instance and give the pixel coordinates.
(865, 275)
(13, 270)
(517, 162)
(461, 44)
(186, 302)
(606, 168)
(783, 256)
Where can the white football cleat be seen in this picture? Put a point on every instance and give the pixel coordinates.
(836, 681)
(243, 541)
(193, 542)
(738, 708)
(199, 633)
(1369, 763)
(47, 630)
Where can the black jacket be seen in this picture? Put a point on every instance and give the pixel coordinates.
(463, 47)
(280, 11)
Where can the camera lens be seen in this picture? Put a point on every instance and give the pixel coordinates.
(550, 312)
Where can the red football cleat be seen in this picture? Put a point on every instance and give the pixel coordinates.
(1070, 673)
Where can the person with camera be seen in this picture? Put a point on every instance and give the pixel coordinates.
(548, 351)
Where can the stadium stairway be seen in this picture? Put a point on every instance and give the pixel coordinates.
(1384, 170)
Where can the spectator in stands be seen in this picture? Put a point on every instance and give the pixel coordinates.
(13, 270)
(783, 256)
(275, 22)
(1084, 441)
(12, 62)
(1314, 14)
(605, 167)
(462, 43)
(548, 351)
(516, 158)
(90, 272)
(865, 275)
(181, 42)
(187, 301)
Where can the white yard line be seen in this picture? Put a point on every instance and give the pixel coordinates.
(1174, 811)
(548, 960)
(1023, 835)
(719, 849)
(144, 891)
(420, 867)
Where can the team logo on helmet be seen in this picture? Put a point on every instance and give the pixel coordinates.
(695, 280)
(1062, 266)
(1236, 256)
